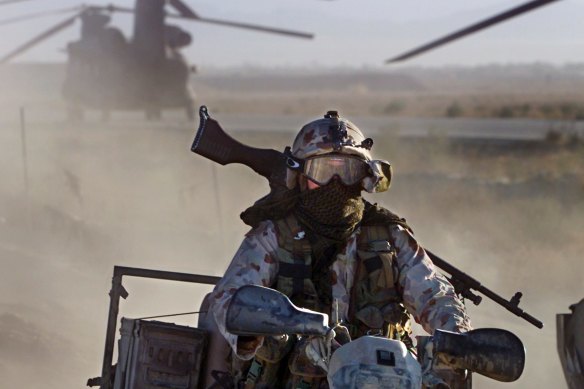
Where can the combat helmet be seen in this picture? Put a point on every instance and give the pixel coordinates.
(335, 146)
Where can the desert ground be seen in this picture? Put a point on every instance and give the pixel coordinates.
(81, 198)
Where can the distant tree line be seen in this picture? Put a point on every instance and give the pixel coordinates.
(550, 110)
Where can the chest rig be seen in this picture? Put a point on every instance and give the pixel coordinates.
(375, 302)
(295, 265)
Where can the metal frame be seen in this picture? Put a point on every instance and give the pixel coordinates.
(118, 291)
(567, 350)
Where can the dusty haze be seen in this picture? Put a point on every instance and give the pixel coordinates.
(131, 193)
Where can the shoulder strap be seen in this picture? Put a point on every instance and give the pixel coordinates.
(376, 215)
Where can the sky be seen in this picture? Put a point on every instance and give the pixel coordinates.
(348, 33)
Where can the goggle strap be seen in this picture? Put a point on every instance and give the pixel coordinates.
(292, 163)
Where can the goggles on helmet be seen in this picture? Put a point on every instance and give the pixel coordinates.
(322, 168)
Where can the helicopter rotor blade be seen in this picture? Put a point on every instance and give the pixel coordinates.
(184, 9)
(4, 2)
(36, 15)
(39, 38)
(185, 12)
(521, 9)
(247, 26)
(113, 8)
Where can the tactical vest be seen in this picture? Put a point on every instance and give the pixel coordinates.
(375, 303)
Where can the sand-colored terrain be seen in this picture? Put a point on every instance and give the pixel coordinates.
(131, 193)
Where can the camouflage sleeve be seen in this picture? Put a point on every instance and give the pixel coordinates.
(253, 264)
(426, 293)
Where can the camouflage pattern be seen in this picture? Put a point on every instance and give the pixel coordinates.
(426, 294)
(377, 303)
(491, 352)
(291, 251)
(317, 138)
(259, 311)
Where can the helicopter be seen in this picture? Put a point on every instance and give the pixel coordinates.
(107, 72)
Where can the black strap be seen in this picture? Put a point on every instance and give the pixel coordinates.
(298, 271)
(375, 215)
(294, 270)
(373, 264)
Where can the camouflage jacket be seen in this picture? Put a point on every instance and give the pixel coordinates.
(427, 294)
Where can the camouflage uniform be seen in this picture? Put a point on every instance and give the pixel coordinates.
(409, 277)
(426, 293)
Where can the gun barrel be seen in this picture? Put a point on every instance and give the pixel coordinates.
(531, 319)
(514, 308)
(471, 283)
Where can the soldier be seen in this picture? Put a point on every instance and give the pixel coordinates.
(329, 250)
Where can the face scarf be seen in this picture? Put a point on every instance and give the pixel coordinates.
(331, 211)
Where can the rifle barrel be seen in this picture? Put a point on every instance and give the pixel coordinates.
(471, 283)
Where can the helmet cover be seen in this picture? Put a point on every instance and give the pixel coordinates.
(335, 135)
(332, 134)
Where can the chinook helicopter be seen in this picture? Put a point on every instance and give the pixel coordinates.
(107, 72)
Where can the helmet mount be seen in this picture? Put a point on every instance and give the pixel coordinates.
(340, 136)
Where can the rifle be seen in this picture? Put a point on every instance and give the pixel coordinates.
(212, 142)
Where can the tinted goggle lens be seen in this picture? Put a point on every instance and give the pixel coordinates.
(321, 170)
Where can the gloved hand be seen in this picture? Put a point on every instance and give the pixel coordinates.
(426, 358)
(437, 373)
(319, 349)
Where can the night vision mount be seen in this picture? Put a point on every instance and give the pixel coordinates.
(338, 129)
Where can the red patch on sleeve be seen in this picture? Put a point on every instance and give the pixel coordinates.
(268, 259)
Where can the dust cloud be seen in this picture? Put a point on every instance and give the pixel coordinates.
(93, 195)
